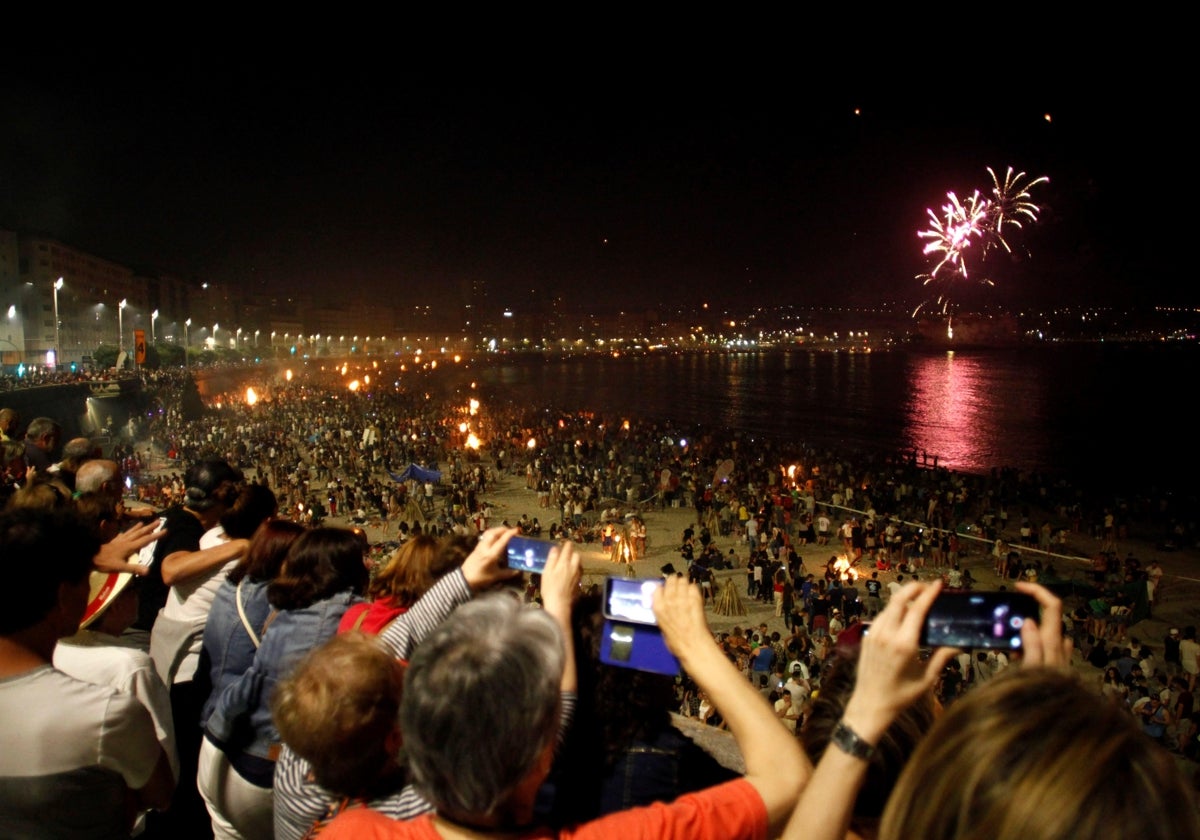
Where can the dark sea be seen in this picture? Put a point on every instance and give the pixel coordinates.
(1096, 412)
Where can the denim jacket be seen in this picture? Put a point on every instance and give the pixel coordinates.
(228, 649)
(240, 723)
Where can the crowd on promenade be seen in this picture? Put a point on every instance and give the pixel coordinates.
(247, 671)
(40, 376)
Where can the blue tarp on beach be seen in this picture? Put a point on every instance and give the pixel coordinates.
(417, 474)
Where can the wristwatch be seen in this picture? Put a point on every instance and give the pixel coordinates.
(851, 743)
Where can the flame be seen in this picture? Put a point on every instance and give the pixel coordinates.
(251, 396)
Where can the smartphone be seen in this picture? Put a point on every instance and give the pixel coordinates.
(626, 599)
(978, 620)
(528, 555)
(631, 638)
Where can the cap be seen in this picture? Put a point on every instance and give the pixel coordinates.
(103, 589)
(1174, 631)
(203, 480)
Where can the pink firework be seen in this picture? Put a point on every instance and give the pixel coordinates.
(951, 233)
(975, 226)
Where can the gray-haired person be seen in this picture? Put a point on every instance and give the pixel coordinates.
(482, 766)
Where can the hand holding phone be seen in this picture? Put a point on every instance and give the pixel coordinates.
(486, 564)
(528, 555)
(891, 673)
(630, 637)
(1042, 642)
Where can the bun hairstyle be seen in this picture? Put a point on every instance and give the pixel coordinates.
(210, 482)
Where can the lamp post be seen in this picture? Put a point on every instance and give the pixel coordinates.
(214, 335)
(121, 325)
(256, 332)
(237, 339)
(153, 318)
(187, 340)
(58, 284)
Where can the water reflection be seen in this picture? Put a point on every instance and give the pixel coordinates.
(1041, 410)
(974, 413)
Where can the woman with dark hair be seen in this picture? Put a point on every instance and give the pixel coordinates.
(240, 608)
(323, 575)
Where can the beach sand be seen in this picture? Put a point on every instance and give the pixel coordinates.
(1178, 606)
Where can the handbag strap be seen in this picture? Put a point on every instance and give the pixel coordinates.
(242, 614)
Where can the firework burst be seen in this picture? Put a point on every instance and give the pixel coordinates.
(952, 233)
(973, 226)
(1011, 202)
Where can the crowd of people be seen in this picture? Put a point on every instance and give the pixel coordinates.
(206, 660)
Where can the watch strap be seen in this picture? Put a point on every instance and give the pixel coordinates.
(851, 743)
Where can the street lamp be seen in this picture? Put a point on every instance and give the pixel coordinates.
(214, 335)
(256, 332)
(58, 284)
(121, 325)
(153, 318)
(187, 340)
(237, 339)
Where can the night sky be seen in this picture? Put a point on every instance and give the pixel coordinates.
(607, 184)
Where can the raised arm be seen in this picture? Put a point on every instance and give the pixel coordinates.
(775, 764)
(484, 567)
(560, 584)
(890, 677)
(181, 565)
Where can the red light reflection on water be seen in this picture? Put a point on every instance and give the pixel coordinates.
(952, 414)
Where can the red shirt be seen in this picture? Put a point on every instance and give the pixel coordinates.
(376, 615)
(730, 811)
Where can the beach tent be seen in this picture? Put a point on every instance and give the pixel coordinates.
(412, 471)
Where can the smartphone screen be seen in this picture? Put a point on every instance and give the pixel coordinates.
(630, 600)
(528, 555)
(978, 620)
